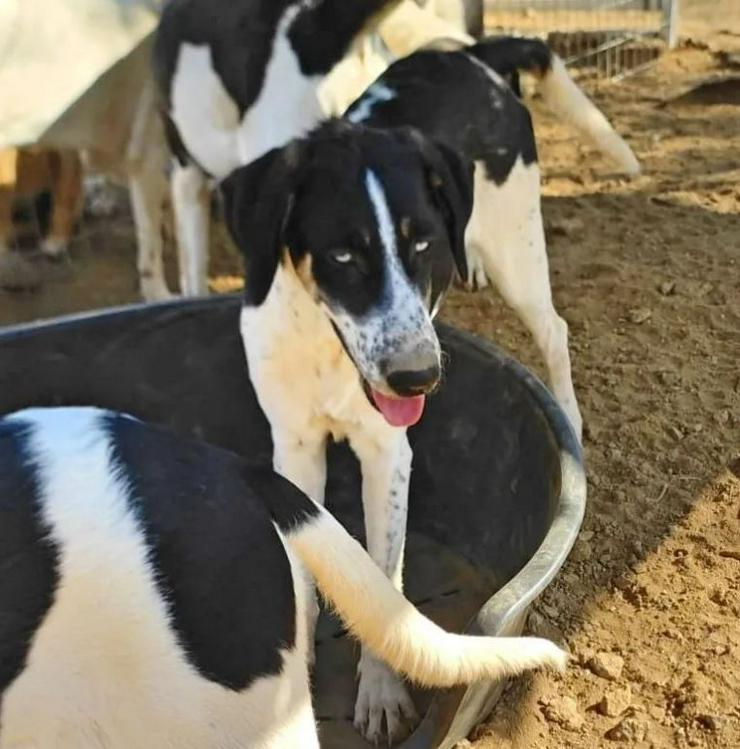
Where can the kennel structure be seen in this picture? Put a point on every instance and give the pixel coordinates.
(608, 39)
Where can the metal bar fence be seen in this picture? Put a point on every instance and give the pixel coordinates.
(601, 38)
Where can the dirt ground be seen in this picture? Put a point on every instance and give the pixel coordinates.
(647, 274)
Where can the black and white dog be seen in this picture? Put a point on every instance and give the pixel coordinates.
(241, 79)
(237, 78)
(462, 99)
(153, 594)
(351, 237)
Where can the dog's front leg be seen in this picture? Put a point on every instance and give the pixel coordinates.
(386, 468)
(302, 460)
(191, 205)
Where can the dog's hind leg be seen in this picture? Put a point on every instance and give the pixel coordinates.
(146, 163)
(506, 231)
(191, 204)
(67, 200)
(148, 190)
(6, 220)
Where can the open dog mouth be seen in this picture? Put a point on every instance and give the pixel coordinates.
(397, 410)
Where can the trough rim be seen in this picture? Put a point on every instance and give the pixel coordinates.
(505, 612)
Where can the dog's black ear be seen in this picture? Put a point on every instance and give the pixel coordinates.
(258, 199)
(451, 182)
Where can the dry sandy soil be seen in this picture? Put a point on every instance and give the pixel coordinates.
(647, 273)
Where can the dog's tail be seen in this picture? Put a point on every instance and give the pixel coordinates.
(383, 619)
(510, 55)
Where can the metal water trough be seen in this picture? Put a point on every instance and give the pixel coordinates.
(497, 490)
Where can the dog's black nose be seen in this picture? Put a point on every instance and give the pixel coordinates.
(415, 371)
(409, 382)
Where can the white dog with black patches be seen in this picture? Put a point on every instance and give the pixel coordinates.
(237, 78)
(351, 237)
(466, 99)
(154, 592)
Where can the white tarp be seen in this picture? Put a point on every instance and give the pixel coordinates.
(54, 51)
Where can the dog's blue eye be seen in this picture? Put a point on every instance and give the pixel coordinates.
(421, 246)
(342, 257)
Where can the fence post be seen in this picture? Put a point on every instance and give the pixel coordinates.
(670, 13)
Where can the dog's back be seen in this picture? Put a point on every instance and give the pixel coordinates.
(469, 99)
(144, 591)
(152, 594)
(452, 97)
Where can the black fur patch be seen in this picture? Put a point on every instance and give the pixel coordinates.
(288, 506)
(220, 565)
(240, 35)
(312, 197)
(322, 36)
(174, 141)
(507, 55)
(453, 98)
(28, 558)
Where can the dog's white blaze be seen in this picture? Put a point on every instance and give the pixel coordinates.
(399, 321)
(105, 668)
(377, 93)
(382, 214)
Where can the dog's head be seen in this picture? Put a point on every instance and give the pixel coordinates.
(373, 224)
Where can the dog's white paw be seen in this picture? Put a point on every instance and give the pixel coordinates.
(384, 711)
(54, 247)
(477, 278)
(154, 289)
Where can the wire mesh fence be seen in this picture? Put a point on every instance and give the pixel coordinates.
(601, 38)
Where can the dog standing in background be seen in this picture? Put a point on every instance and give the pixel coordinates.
(27, 172)
(466, 99)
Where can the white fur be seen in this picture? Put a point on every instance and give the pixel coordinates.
(208, 122)
(105, 668)
(376, 94)
(191, 205)
(505, 242)
(565, 98)
(146, 157)
(206, 117)
(384, 620)
(289, 334)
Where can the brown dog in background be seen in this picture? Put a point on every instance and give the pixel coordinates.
(27, 172)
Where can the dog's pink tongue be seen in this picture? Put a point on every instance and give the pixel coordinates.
(399, 412)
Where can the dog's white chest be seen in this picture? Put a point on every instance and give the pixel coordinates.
(208, 118)
(299, 368)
